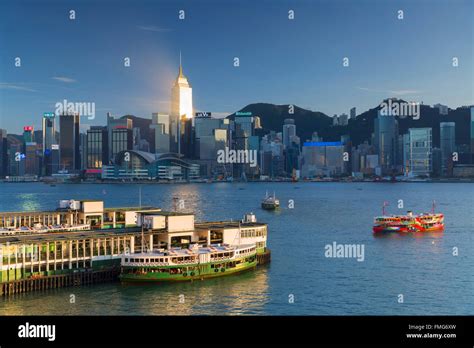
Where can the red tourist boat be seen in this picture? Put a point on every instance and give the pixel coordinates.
(425, 222)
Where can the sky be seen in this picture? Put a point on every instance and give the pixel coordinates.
(282, 61)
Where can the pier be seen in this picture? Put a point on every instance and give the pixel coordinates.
(86, 277)
(49, 250)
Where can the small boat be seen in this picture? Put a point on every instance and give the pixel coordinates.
(270, 202)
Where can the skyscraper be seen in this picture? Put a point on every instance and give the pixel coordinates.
(385, 141)
(119, 135)
(353, 113)
(447, 142)
(420, 151)
(48, 139)
(289, 131)
(31, 159)
(181, 106)
(160, 125)
(69, 143)
(186, 137)
(96, 149)
(49, 130)
(28, 134)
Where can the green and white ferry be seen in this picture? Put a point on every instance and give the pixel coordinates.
(196, 262)
(188, 251)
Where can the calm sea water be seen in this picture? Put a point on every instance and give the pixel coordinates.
(421, 268)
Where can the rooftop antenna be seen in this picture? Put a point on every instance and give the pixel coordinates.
(180, 65)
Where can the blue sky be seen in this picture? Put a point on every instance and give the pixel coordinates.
(282, 61)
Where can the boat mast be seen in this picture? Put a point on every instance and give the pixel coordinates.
(383, 208)
(433, 207)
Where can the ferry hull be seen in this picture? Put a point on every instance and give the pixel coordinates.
(208, 272)
(405, 229)
(269, 206)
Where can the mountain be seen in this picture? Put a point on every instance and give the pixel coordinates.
(272, 118)
(362, 127)
(359, 129)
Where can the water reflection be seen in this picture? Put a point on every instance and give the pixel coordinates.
(29, 202)
(417, 235)
(243, 294)
(246, 293)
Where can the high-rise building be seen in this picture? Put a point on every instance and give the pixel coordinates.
(69, 143)
(186, 137)
(160, 125)
(322, 159)
(289, 131)
(181, 107)
(385, 141)
(209, 145)
(420, 163)
(122, 139)
(49, 130)
(48, 140)
(54, 163)
(447, 144)
(96, 148)
(28, 134)
(436, 167)
(246, 124)
(119, 136)
(343, 120)
(443, 109)
(16, 159)
(211, 134)
(406, 153)
(31, 159)
(353, 113)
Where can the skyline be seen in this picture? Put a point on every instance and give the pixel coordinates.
(273, 66)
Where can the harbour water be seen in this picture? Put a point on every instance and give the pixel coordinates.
(433, 272)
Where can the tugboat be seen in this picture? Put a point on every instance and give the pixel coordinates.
(270, 202)
(425, 222)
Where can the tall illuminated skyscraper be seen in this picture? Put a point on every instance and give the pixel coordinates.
(181, 108)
